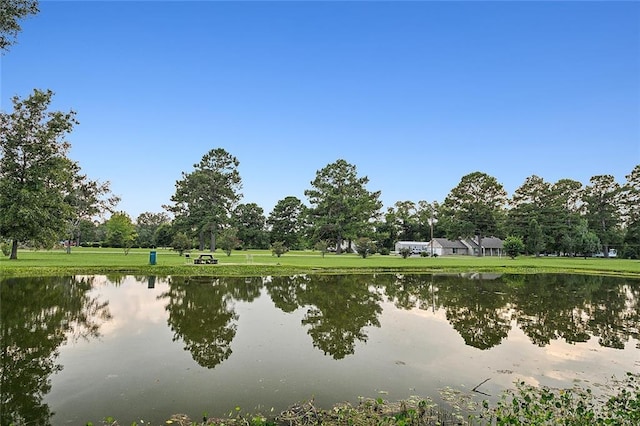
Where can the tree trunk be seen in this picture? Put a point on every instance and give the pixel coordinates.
(14, 250)
(201, 238)
(339, 245)
(605, 246)
(213, 239)
(479, 245)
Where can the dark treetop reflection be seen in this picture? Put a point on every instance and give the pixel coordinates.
(37, 316)
(339, 308)
(546, 307)
(201, 314)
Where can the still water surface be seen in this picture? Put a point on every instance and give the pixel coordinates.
(76, 349)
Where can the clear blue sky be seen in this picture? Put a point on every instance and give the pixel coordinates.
(414, 94)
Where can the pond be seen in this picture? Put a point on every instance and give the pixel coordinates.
(77, 349)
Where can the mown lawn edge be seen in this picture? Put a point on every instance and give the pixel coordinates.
(284, 270)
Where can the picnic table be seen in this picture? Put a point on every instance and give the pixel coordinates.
(205, 259)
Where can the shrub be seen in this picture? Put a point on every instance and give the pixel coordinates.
(513, 246)
(384, 251)
(322, 246)
(629, 252)
(365, 247)
(405, 252)
(424, 253)
(278, 248)
(6, 249)
(181, 243)
(228, 240)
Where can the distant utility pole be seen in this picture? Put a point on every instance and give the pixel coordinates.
(431, 226)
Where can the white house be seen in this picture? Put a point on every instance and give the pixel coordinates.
(414, 246)
(491, 246)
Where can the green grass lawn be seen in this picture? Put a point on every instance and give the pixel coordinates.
(261, 262)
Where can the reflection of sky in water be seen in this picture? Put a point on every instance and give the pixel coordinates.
(132, 309)
(433, 350)
(136, 370)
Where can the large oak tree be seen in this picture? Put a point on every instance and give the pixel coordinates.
(88, 199)
(35, 173)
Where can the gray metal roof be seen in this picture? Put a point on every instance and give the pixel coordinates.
(472, 242)
(491, 242)
(487, 242)
(445, 243)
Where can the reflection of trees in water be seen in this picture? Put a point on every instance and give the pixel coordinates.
(609, 316)
(338, 308)
(632, 318)
(151, 280)
(480, 307)
(575, 307)
(245, 289)
(37, 316)
(201, 313)
(284, 291)
(407, 291)
(116, 279)
(478, 310)
(545, 306)
(553, 306)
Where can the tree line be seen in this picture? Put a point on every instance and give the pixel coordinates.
(45, 198)
(564, 217)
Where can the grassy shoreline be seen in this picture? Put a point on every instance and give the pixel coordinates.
(521, 405)
(86, 261)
